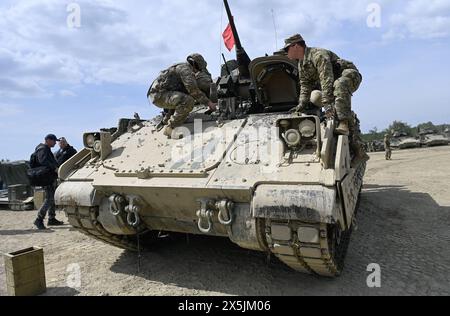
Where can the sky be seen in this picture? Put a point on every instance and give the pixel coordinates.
(69, 67)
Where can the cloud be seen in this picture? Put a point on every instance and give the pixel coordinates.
(67, 93)
(12, 88)
(420, 19)
(38, 49)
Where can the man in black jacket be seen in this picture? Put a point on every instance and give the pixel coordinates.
(45, 158)
(65, 152)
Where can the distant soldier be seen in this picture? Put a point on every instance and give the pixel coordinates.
(387, 146)
(177, 90)
(337, 78)
(65, 152)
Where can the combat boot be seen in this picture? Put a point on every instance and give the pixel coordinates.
(168, 131)
(39, 223)
(343, 128)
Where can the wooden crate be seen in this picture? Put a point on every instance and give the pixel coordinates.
(25, 272)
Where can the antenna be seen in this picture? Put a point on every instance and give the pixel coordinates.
(275, 29)
(220, 31)
(226, 65)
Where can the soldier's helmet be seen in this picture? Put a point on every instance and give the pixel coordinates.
(198, 60)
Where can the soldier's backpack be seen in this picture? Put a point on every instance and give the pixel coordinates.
(40, 176)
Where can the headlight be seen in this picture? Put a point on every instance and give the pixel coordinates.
(90, 140)
(293, 138)
(99, 143)
(307, 128)
(285, 124)
(97, 146)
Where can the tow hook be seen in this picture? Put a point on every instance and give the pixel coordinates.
(133, 210)
(225, 208)
(206, 213)
(119, 208)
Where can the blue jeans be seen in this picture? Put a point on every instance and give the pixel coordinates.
(49, 203)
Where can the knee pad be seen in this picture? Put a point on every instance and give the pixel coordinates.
(354, 79)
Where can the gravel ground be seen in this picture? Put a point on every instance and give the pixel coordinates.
(403, 227)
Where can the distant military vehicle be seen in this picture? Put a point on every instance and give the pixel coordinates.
(268, 179)
(447, 133)
(17, 194)
(401, 140)
(431, 138)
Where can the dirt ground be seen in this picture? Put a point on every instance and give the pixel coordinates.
(403, 226)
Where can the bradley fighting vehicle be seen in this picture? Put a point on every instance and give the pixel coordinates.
(431, 138)
(447, 133)
(401, 140)
(254, 172)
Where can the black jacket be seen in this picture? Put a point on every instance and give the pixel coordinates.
(45, 157)
(65, 154)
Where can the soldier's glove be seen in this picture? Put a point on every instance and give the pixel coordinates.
(301, 108)
(212, 107)
(330, 111)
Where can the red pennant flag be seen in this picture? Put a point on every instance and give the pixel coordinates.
(228, 38)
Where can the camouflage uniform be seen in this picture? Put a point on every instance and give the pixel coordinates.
(204, 81)
(176, 90)
(337, 78)
(387, 146)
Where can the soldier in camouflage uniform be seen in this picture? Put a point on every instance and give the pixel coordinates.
(179, 88)
(387, 146)
(337, 78)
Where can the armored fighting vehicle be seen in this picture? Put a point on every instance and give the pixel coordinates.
(431, 138)
(447, 133)
(267, 179)
(402, 140)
